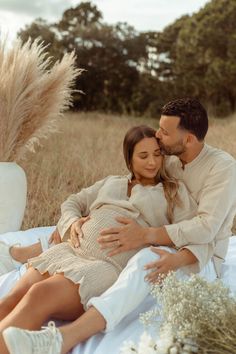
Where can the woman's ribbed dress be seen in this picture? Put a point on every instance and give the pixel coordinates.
(88, 265)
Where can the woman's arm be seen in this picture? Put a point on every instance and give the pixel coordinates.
(77, 206)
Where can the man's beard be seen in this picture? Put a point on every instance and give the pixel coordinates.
(177, 149)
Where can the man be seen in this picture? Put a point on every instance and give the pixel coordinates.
(210, 176)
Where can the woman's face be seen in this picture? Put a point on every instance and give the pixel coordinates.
(146, 160)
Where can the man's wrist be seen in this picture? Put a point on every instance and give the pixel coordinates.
(151, 236)
(157, 236)
(179, 262)
(185, 257)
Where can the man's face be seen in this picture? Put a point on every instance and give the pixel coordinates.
(172, 140)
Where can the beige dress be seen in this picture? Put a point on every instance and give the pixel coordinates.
(88, 265)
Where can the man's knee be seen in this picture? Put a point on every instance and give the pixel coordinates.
(143, 257)
(146, 255)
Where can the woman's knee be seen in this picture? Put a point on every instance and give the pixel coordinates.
(39, 292)
(56, 287)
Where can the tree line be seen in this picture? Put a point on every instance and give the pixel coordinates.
(126, 71)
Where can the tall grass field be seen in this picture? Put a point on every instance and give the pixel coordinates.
(87, 148)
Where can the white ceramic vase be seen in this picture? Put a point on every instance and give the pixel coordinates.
(13, 193)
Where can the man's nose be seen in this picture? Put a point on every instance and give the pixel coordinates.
(158, 134)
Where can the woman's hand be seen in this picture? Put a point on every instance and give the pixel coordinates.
(124, 238)
(75, 231)
(55, 237)
(161, 267)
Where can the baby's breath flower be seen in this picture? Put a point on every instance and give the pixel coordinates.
(146, 344)
(194, 316)
(164, 340)
(149, 317)
(128, 347)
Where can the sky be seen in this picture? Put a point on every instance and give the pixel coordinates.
(144, 15)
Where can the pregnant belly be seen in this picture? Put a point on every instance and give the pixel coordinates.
(100, 219)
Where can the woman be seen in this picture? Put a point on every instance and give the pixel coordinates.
(70, 275)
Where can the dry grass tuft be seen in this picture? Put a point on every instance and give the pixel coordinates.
(222, 134)
(32, 97)
(88, 148)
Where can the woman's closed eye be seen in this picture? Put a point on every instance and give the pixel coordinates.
(144, 155)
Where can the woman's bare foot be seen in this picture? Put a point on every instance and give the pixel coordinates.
(22, 254)
(11, 257)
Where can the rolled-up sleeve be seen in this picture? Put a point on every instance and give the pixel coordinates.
(203, 253)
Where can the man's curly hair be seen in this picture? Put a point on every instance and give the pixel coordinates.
(193, 116)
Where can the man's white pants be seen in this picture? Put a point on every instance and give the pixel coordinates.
(130, 289)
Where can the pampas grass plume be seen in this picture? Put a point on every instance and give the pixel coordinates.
(32, 96)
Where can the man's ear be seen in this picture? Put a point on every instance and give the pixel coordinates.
(191, 139)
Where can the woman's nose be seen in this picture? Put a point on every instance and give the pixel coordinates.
(151, 160)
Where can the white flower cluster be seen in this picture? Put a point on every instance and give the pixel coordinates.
(195, 316)
(147, 345)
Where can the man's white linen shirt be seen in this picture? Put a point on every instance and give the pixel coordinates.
(211, 181)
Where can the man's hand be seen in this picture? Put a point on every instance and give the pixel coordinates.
(128, 237)
(55, 237)
(76, 232)
(161, 267)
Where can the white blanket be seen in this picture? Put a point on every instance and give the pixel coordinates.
(130, 327)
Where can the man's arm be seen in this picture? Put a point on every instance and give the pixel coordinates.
(216, 204)
(217, 199)
(132, 236)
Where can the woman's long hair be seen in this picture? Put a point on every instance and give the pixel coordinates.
(170, 184)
